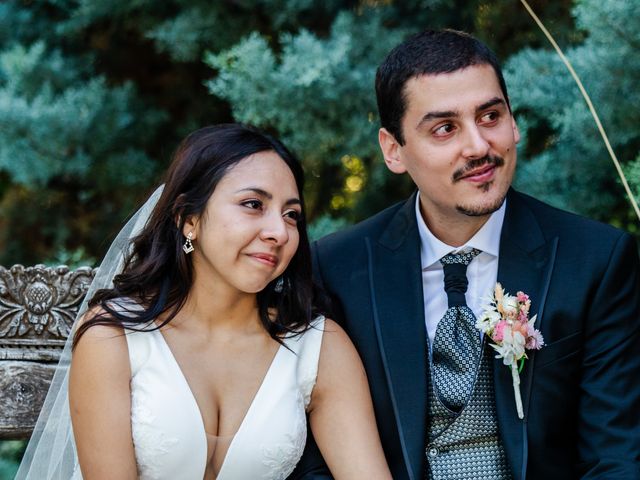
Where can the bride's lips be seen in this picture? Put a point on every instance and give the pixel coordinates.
(266, 258)
(480, 175)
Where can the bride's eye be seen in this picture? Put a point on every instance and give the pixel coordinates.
(253, 204)
(293, 216)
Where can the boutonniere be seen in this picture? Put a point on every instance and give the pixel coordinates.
(505, 320)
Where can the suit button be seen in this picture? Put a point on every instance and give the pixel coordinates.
(432, 452)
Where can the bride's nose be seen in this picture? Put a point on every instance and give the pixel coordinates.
(274, 229)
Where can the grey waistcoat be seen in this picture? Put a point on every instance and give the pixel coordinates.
(467, 445)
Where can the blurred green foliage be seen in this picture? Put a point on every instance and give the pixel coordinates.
(94, 97)
(315, 88)
(11, 452)
(564, 160)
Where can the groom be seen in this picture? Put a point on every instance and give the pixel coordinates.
(445, 406)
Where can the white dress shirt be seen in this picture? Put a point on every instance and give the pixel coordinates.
(482, 272)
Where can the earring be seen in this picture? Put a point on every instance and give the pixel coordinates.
(188, 246)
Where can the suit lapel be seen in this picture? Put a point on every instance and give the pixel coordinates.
(395, 279)
(525, 264)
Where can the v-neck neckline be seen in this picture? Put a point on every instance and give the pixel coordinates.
(204, 433)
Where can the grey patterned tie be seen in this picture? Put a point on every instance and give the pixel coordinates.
(456, 347)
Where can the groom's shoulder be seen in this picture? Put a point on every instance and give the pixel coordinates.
(558, 222)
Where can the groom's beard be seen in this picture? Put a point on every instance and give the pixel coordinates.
(480, 210)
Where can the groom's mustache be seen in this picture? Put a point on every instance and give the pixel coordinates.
(487, 160)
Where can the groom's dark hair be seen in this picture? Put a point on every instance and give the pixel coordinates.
(426, 53)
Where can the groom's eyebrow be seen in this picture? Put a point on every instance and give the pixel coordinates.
(454, 113)
(437, 115)
(268, 196)
(494, 101)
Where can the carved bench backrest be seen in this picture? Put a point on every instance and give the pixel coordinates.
(37, 308)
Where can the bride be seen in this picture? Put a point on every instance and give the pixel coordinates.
(202, 358)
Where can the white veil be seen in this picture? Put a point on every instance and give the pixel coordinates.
(51, 453)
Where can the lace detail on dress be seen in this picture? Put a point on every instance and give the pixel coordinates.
(281, 458)
(308, 361)
(151, 443)
(307, 379)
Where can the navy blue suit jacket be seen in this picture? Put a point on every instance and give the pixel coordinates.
(581, 391)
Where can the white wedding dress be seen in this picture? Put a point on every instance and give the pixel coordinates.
(168, 432)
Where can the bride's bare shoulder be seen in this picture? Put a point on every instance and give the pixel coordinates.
(335, 340)
(92, 329)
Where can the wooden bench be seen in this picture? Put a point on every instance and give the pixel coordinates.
(37, 308)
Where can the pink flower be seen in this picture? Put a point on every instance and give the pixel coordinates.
(522, 327)
(506, 320)
(498, 331)
(535, 340)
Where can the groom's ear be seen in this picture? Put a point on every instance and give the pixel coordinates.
(391, 150)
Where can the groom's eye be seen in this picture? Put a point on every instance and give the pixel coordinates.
(443, 130)
(489, 117)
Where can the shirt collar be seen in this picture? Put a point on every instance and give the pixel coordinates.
(487, 239)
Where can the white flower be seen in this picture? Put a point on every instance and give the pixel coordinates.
(511, 349)
(518, 344)
(505, 320)
(488, 320)
(510, 306)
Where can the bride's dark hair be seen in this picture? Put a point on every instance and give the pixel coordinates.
(157, 275)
